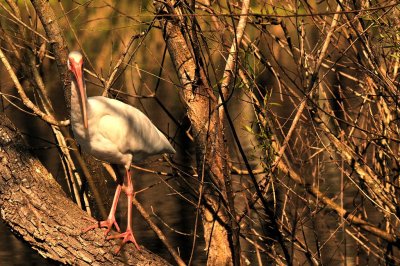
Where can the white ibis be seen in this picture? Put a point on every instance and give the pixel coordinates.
(114, 132)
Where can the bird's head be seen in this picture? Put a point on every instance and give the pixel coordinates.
(75, 65)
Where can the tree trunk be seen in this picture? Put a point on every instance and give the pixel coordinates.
(58, 43)
(202, 105)
(36, 208)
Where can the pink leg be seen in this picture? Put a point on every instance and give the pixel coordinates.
(111, 217)
(128, 234)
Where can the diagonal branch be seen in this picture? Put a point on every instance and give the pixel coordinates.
(36, 208)
(330, 204)
(27, 102)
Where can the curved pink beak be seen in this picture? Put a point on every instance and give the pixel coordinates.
(76, 68)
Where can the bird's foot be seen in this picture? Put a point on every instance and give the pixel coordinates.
(126, 237)
(104, 224)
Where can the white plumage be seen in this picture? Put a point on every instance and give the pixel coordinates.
(114, 132)
(117, 133)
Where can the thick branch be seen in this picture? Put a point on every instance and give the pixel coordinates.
(36, 208)
(57, 41)
(201, 107)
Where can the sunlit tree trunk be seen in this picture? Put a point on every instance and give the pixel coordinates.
(201, 105)
(37, 209)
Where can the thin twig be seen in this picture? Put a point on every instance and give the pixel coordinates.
(27, 102)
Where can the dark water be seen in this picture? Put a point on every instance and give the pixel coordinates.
(160, 199)
(14, 251)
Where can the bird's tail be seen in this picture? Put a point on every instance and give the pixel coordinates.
(169, 149)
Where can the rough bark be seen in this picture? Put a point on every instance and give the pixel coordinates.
(57, 42)
(35, 207)
(201, 106)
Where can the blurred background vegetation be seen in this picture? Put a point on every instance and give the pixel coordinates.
(314, 101)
